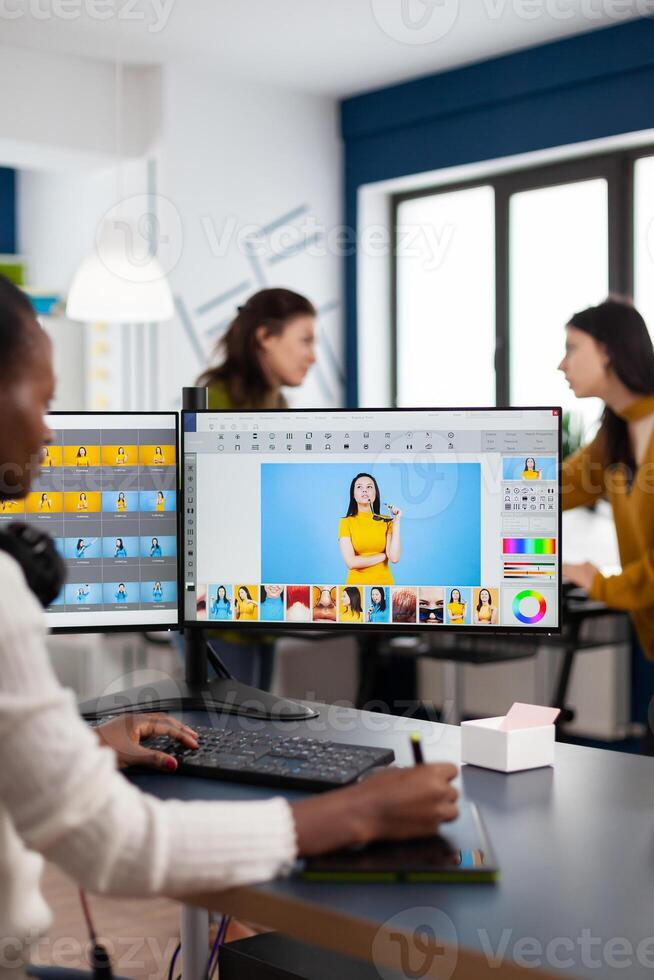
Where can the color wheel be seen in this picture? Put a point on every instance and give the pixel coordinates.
(519, 599)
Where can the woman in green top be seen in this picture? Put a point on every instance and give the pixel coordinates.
(270, 344)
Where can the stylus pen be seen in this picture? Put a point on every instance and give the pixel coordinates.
(416, 746)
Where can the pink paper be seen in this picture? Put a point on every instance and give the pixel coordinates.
(528, 716)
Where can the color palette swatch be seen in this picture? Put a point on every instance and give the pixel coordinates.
(528, 546)
(521, 600)
(529, 570)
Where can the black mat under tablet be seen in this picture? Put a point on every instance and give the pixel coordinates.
(461, 853)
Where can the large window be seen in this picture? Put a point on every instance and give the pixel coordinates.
(558, 264)
(446, 328)
(487, 274)
(644, 239)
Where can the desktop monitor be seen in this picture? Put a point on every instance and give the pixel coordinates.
(107, 493)
(291, 519)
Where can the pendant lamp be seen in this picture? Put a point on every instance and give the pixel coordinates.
(112, 285)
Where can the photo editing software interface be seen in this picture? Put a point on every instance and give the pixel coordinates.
(405, 518)
(107, 493)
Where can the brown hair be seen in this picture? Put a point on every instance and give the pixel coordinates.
(404, 605)
(619, 327)
(240, 370)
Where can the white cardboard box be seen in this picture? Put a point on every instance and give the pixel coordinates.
(484, 743)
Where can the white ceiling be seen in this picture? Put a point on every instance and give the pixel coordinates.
(333, 47)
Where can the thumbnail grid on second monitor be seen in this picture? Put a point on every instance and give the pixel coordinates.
(109, 499)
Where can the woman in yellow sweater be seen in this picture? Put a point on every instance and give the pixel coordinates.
(456, 609)
(609, 355)
(351, 610)
(368, 539)
(485, 610)
(530, 472)
(247, 609)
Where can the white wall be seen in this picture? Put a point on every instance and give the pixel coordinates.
(224, 157)
(58, 106)
(58, 216)
(234, 156)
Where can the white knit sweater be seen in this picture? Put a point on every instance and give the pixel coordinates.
(62, 797)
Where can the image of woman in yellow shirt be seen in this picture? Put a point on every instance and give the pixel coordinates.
(485, 611)
(530, 472)
(121, 503)
(82, 458)
(45, 503)
(351, 610)
(246, 607)
(369, 541)
(456, 609)
(161, 501)
(82, 503)
(121, 456)
(158, 458)
(46, 458)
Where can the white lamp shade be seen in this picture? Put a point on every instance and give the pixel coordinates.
(111, 286)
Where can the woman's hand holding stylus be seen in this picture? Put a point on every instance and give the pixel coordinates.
(395, 804)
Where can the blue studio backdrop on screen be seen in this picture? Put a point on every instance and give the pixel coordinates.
(302, 504)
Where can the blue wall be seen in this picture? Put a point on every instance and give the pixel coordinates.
(7, 211)
(586, 87)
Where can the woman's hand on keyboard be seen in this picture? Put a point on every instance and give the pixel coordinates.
(395, 804)
(124, 736)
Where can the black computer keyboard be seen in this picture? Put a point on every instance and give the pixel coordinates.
(259, 757)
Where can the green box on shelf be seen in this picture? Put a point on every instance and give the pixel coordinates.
(13, 268)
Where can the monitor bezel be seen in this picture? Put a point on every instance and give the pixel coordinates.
(134, 627)
(381, 628)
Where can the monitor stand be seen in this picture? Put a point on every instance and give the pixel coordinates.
(224, 695)
(196, 692)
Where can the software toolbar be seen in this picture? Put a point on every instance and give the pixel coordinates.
(341, 440)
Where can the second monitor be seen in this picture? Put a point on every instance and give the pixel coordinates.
(410, 519)
(106, 492)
